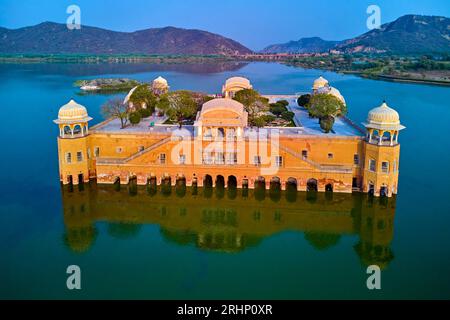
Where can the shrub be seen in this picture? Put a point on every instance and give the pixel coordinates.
(277, 109)
(283, 103)
(259, 121)
(135, 118)
(303, 100)
(268, 118)
(145, 113)
(287, 115)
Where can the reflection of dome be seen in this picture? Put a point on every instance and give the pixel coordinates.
(320, 82)
(72, 112)
(160, 82)
(384, 118)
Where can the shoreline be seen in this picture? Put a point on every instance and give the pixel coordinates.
(197, 59)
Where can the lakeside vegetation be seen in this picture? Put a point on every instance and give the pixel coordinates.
(424, 68)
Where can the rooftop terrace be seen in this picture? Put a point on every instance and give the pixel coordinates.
(306, 126)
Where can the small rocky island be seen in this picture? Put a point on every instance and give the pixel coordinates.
(107, 85)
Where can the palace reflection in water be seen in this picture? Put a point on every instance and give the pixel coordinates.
(229, 220)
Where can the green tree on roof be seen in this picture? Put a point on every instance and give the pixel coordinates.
(253, 103)
(178, 106)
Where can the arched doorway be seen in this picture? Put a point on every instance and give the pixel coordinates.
(152, 186)
(291, 190)
(260, 189)
(384, 191)
(260, 183)
(208, 181)
(371, 189)
(329, 187)
(311, 185)
(166, 185)
(180, 187)
(232, 182)
(117, 184)
(275, 189)
(132, 186)
(275, 183)
(220, 182)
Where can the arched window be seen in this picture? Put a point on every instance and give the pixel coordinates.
(77, 129)
(67, 130)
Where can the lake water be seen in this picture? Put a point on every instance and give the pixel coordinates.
(218, 243)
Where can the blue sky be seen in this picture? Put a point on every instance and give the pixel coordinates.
(254, 23)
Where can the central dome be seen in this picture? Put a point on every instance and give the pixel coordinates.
(73, 112)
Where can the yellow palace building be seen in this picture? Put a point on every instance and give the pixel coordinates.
(220, 148)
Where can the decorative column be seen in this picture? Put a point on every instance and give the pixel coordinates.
(380, 138)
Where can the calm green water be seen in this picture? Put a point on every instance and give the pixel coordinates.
(218, 243)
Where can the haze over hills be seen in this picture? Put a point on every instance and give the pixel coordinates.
(407, 34)
(55, 38)
(304, 45)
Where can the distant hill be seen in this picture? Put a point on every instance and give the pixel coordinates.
(55, 38)
(407, 34)
(304, 45)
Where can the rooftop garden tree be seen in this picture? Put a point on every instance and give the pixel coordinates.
(277, 108)
(303, 100)
(115, 108)
(179, 106)
(283, 103)
(253, 103)
(144, 98)
(326, 107)
(135, 117)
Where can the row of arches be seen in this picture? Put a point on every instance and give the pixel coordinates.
(74, 130)
(260, 192)
(230, 182)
